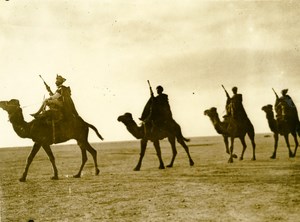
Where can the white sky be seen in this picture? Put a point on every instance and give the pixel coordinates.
(107, 50)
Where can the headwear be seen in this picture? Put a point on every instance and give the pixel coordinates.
(160, 88)
(284, 91)
(234, 89)
(60, 78)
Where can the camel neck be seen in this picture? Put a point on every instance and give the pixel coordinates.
(133, 128)
(20, 126)
(215, 120)
(270, 115)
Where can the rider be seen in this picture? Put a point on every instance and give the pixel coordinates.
(234, 105)
(59, 100)
(157, 111)
(161, 108)
(286, 99)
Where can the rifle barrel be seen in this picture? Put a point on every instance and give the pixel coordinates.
(275, 93)
(41, 78)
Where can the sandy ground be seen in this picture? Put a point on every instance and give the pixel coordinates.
(212, 190)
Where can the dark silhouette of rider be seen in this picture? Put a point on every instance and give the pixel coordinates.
(285, 106)
(161, 107)
(157, 111)
(234, 105)
(285, 97)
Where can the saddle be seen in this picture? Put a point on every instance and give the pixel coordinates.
(153, 128)
(56, 119)
(51, 115)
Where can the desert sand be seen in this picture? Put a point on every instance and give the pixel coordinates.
(211, 190)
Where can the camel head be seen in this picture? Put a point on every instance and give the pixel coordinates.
(211, 113)
(126, 118)
(131, 125)
(267, 109)
(10, 106)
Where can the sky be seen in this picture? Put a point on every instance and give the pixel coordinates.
(107, 50)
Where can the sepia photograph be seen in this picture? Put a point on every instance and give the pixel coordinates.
(149, 110)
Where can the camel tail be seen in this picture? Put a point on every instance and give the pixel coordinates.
(186, 139)
(96, 131)
(179, 132)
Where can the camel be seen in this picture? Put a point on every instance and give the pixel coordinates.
(231, 128)
(282, 127)
(43, 135)
(171, 133)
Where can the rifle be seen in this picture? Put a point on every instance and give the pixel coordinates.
(47, 86)
(226, 92)
(151, 91)
(277, 97)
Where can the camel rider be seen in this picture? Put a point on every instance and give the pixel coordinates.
(157, 111)
(234, 105)
(59, 100)
(161, 111)
(286, 105)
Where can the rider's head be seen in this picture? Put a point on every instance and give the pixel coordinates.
(59, 80)
(234, 89)
(159, 89)
(284, 92)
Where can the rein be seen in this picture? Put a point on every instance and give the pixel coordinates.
(26, 106)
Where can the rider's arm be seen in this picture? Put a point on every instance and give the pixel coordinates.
(56, 95)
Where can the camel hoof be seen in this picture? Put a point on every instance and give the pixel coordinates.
(97, 172)
(136, 169)
(192, 163)
(234, 155)
(273, 157)
(161, 167)
(291, 155)
(22, 179)
(54, 178)
(230, 160)
(170, 165)
(253, 158)
(241, 158)
(76, 176)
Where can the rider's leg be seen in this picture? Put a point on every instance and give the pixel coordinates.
(42, 108)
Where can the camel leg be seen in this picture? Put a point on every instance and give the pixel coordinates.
(93, 152)
(83, 158)
(230, 160)
(158, 153)
(142, 154)
(244, 147)
(253, 149)
(296, 144)
(276, 137)
(251, 136)
(36, 147)
(225, 138)
(174, 151)
(186, 148)
(286, 137)
(52, 160)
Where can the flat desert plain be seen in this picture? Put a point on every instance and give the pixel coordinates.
(211, 190)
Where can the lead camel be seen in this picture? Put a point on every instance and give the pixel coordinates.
(41, 132)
